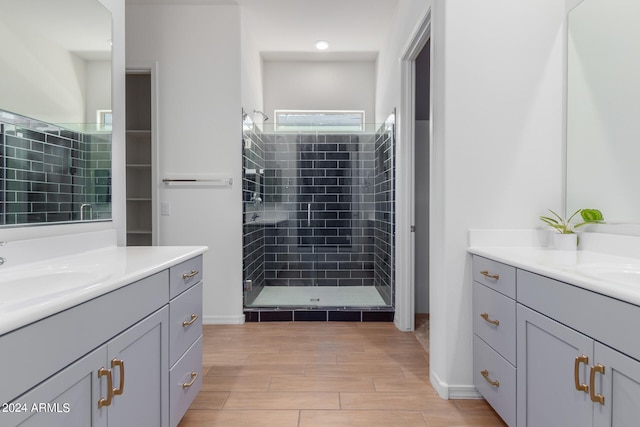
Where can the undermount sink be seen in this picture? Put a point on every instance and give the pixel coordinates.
(42, 283)
(621, 273)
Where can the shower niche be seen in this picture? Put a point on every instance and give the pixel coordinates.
(318, 224)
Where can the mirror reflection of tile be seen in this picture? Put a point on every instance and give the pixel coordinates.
(50, 172)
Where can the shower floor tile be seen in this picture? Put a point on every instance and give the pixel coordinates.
(321, 296)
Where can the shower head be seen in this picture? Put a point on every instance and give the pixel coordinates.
(264, 116)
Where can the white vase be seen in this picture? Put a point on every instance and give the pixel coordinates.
(565, 242)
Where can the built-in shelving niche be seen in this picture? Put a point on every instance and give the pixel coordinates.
(139, 164)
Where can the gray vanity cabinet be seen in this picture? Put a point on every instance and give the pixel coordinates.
(494, 340)
(133, 363)
(72, 395)
(547, 392)
(140, 378)
(131, 357)
(555, 387)
(620, 383)
(577, 357)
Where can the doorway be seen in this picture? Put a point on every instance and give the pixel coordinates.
(421, 193)
(405, 195)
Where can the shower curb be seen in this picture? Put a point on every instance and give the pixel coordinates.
(318, 315)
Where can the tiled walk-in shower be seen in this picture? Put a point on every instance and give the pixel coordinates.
(318, 224)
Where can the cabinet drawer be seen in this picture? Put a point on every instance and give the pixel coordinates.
(495, 275)
(489, 308)
(184, 275)
(185, 319)
(180, 375)
(501, 397)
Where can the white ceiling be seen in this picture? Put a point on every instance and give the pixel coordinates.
(278, 29)
(287, 29)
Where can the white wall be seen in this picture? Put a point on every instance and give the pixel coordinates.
(497, 145)
(251, 68)
(98, 88)
(388, 67)
(320, 85)
(197, 49)
(38, 78)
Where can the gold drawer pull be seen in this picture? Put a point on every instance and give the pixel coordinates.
(186, 276)
(598, 398)
(488, 275)
(120, 363)
(485, 374)
(485, 316)
(186, 323)
(576, 373)
(194, 375)
(106, 402)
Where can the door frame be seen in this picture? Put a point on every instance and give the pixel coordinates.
(405, 203)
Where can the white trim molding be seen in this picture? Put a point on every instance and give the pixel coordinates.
(447, 391)
(223, 320)
(405, 254)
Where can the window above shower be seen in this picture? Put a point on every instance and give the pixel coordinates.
(326, 120)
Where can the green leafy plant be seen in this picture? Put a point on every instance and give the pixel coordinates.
(564, 226)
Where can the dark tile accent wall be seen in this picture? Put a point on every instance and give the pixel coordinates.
(253, 233)
(327, 212)
(48, 172)
(319, 191)
(384, 234)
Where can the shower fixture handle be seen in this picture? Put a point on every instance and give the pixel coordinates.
(308, 214)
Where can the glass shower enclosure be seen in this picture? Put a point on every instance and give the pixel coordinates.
(318, 222)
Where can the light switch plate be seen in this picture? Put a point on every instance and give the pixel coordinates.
(165, 209)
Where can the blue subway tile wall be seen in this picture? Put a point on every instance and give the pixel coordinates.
(384, 228)
(48, 172)
(319, 191)
(253, 233)
(326, 210)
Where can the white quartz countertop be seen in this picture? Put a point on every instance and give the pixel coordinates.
(33, 291)
(611, 275)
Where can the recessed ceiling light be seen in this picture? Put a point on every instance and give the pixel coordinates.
(321, 45)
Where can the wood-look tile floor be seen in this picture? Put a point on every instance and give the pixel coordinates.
(323, 374)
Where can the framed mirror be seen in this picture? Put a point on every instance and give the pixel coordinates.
(603, 93)
(55, 112)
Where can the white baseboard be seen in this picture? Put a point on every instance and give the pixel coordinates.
(223, 320)
(447, 391)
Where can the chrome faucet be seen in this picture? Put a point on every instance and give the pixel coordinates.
(2, 260)
(84, 205)
(256, 199)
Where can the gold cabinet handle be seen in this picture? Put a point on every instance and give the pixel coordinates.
(598, 398)
(186, 323)
(120, 364)
(485, 374)
(576, 373)
(488, 275)
(194, 375)
(186, 276)
(106, 402)
(485, 316)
